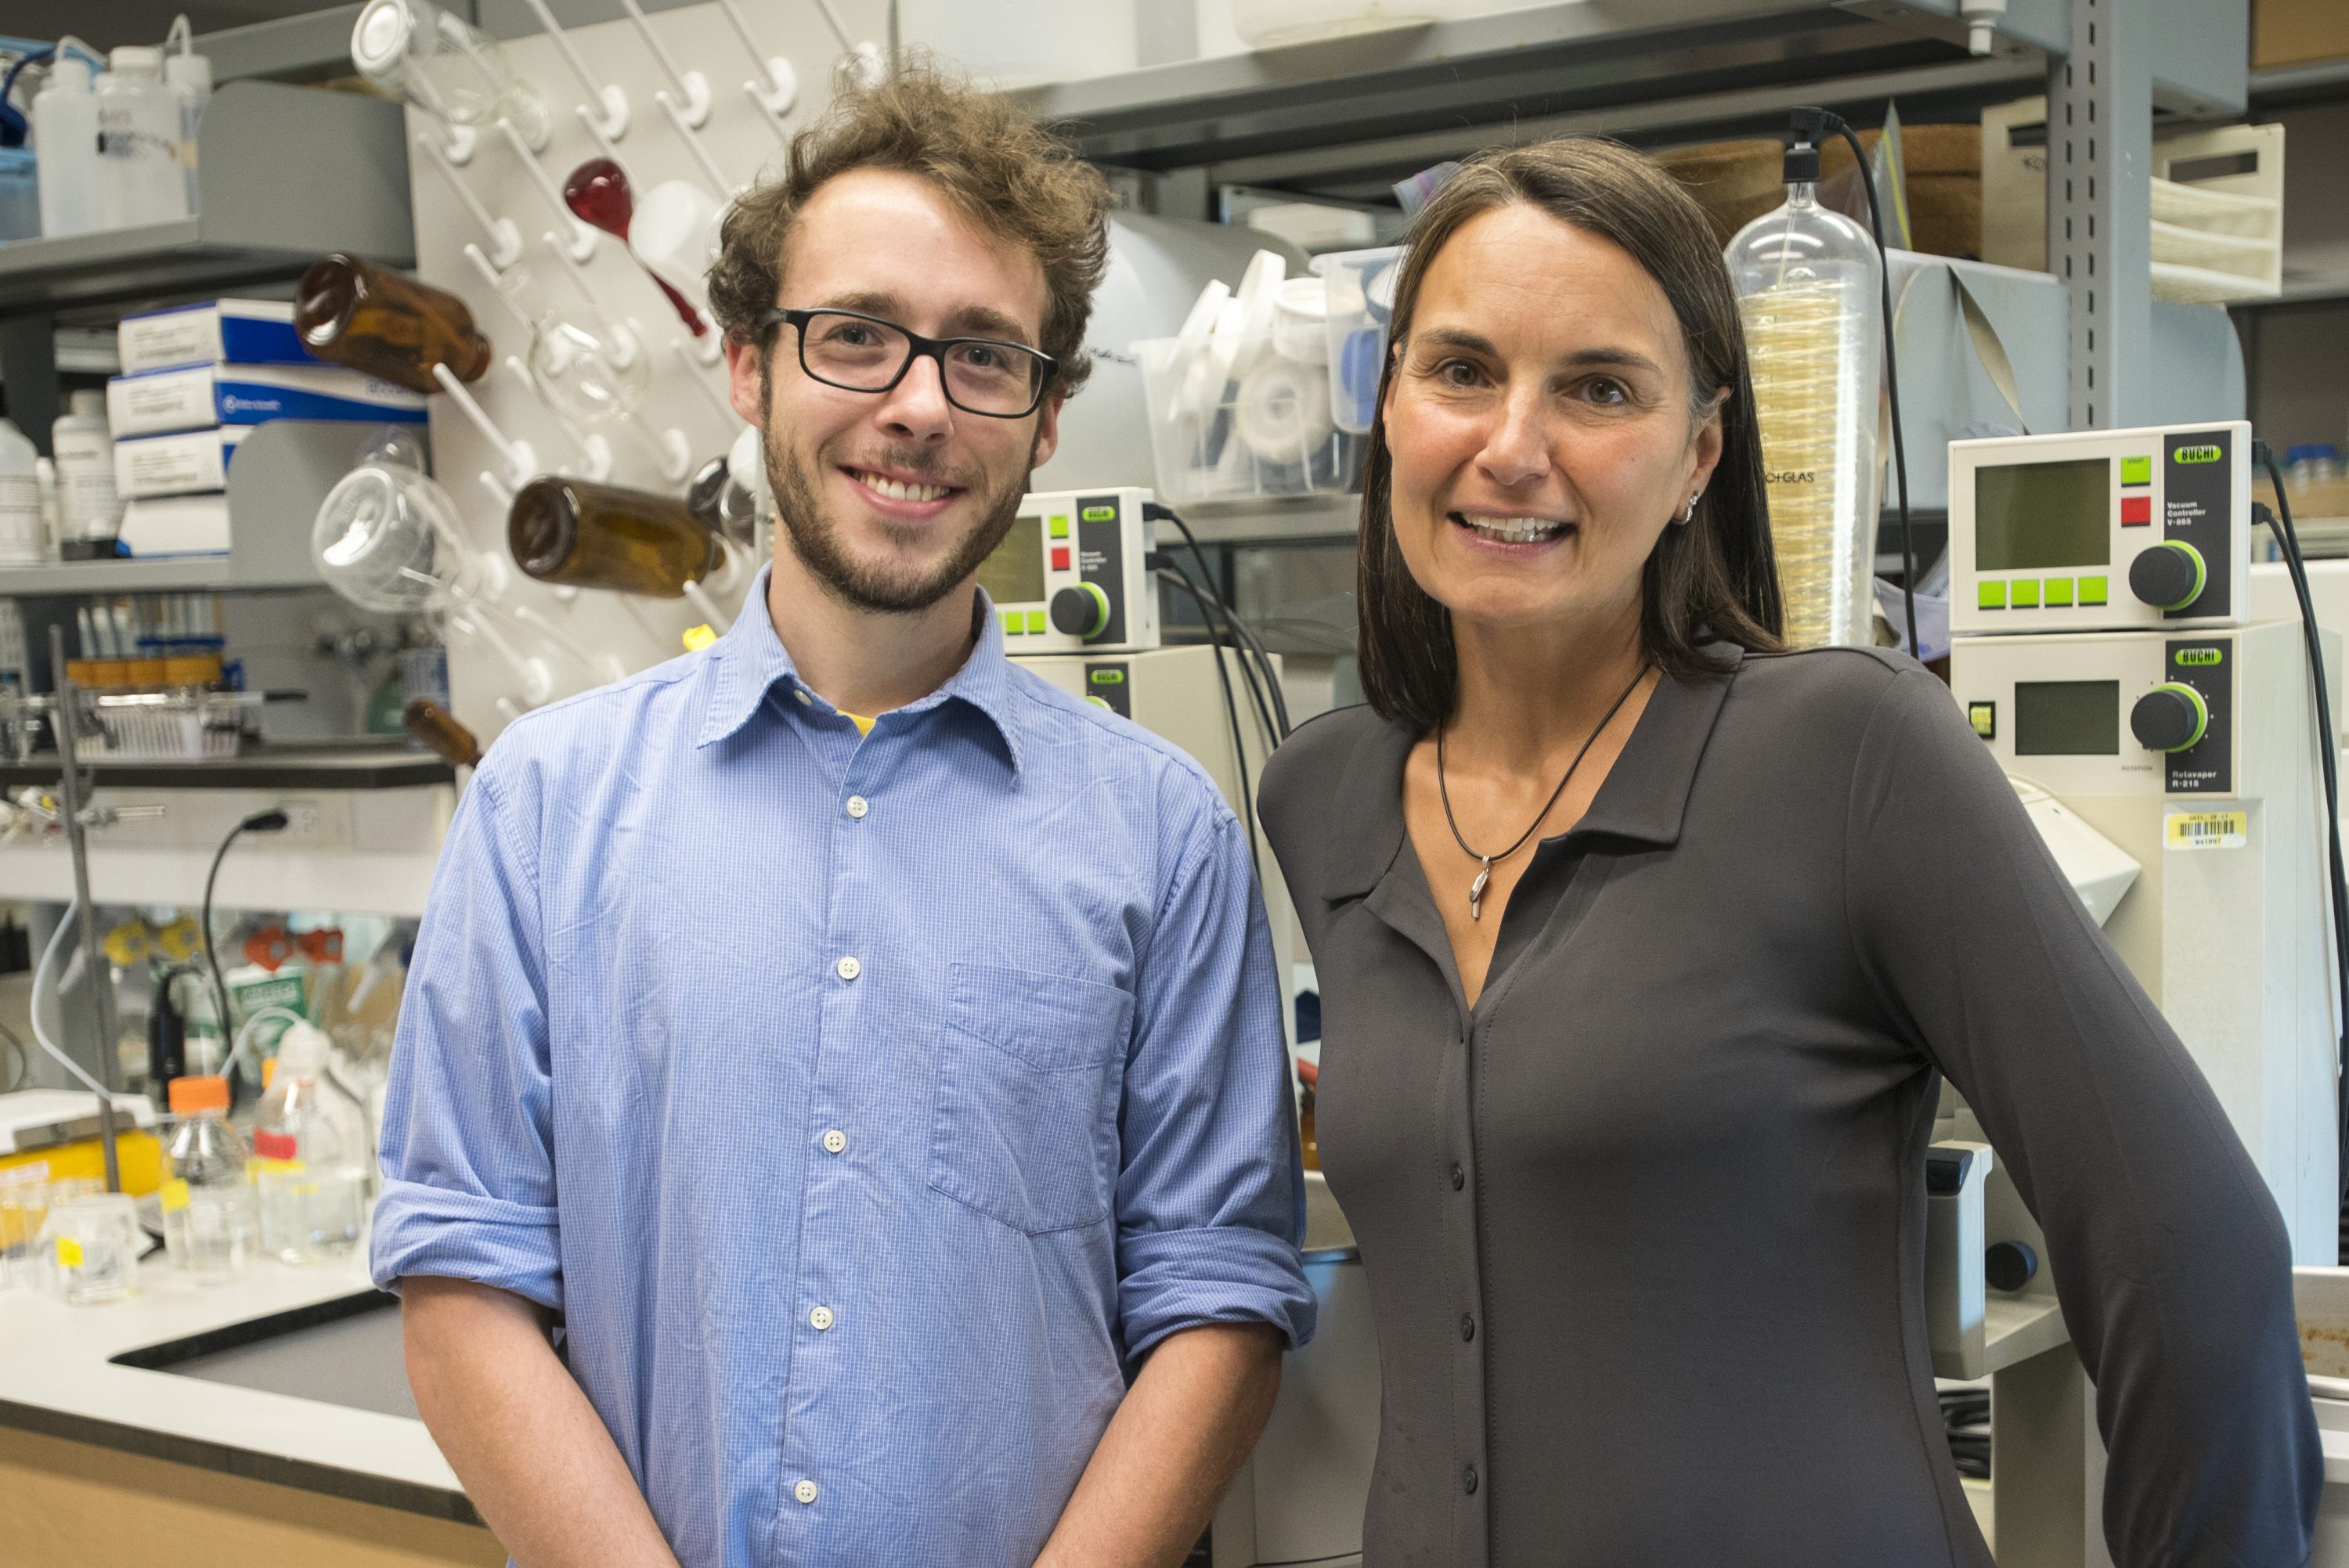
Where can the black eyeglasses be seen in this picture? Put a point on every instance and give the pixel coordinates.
(859, 353)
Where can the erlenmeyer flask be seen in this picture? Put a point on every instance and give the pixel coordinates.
(444, 66)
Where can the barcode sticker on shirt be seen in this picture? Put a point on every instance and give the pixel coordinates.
(2206, 830)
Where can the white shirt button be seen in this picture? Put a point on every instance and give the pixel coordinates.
(858, 806)
(848, 968)
(801, 694)
(805, 1491)
(820, 1319)
(835, 1140)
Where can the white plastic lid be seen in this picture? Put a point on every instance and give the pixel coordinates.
(71, 72)
(381, 34)
(137, 59)
(302, 1050)
(85, 405)
(192, 72)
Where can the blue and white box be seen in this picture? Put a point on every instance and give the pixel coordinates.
(218, 332)
(181, 464)
(197, 397)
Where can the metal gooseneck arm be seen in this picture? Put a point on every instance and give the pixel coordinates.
(94, 973)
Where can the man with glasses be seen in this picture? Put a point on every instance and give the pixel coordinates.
(867, 1057)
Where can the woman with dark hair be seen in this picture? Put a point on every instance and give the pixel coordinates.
(1643, 946)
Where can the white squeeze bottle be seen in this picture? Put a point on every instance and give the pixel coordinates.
(139, 181)
(189, 74)
(65, 136)
(88, 505)
(20, 500)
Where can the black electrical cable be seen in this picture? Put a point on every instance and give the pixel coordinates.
(2327, 744)
(1222, 629)
(1808, 123)
(1232, 713)
(269, 821)
(1157, 512)
(24, 1060)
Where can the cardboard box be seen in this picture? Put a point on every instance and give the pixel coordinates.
(201, 395)
(182, 464)
(219, 332)
(2295, 32)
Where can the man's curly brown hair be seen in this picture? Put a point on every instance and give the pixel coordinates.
(1001, 170)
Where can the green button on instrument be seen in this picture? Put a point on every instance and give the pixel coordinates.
(2026, 594)
(2136, 470)
(1011, 622)
(1060, 526)
(1035, 620)
(2092, 589)
(1990, 595)
(2059, 591)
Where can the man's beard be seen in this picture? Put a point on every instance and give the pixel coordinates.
(815, 538)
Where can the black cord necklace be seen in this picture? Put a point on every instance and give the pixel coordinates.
(1484, 876)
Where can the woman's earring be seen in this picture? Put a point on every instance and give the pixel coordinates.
(1690, 515)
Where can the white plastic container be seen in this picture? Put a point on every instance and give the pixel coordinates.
(1809, 283)
(310, 1148)
(89, 506)
(65, 134)
(1269, 23)
(1360, 289)
(139, 181)
(21, 537)
(1021, 43)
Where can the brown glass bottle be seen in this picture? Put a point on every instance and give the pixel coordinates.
(602, 536)
(437, 730)
(395, 329)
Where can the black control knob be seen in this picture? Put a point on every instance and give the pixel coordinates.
(2171, 717)
(1081, 611)
(2009, 1265)
(2168, 576)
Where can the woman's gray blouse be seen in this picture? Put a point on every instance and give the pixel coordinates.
(1644, 1231)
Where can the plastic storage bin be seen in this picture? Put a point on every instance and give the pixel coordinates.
(1360, 287)
(1239, 416)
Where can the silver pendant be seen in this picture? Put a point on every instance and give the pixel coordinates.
(1476, 890)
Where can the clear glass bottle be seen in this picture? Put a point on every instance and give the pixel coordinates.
(603, 536)
(1809, 283)
(446, 67)
(310, 1145)
(352, 313)
(206, 1200)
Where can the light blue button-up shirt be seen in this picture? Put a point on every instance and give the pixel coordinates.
(865, 1105)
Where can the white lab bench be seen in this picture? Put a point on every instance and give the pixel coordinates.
(104, 1464)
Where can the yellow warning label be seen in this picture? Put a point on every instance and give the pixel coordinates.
(68, 1252)
(2206, 830)
(174, 1196)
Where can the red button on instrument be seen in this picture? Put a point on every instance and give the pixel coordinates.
(1060, 558)
(2136, 510)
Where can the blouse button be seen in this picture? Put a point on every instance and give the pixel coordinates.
(1459, 1177)
(1468, 1326)
(1468, 1480)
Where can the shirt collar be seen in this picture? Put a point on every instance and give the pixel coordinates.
(1644, 798)
(750, 660)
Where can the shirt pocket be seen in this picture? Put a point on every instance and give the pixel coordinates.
(1028, 1078)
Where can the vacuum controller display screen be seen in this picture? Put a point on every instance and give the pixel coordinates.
(2031, 517)
(1014, 575)
(2067, 718)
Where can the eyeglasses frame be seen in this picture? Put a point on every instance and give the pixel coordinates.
(918, 348)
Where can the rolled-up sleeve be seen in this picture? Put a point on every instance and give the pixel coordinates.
(1210, 1200)
(467, 1142)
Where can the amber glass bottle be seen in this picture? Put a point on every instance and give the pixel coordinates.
(602, 536)
(394, 328)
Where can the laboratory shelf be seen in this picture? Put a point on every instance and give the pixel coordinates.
(283, 471)
(350, 765)
(287, 174)
(1363, 92)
